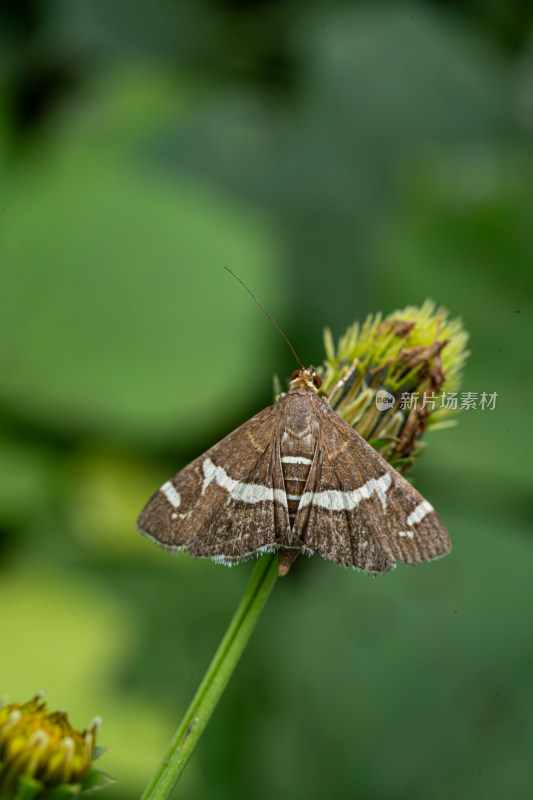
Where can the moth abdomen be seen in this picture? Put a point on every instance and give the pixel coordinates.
(295, 473)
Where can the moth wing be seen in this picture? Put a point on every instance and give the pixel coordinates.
(229, 502)
(359, 511)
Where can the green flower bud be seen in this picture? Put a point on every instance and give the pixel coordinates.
(42, 756)
(378, 370)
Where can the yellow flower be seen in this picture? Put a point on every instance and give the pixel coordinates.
(42, 748)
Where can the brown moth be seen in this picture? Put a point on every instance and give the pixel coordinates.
(294, 479)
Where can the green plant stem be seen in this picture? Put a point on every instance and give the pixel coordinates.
(218, 674)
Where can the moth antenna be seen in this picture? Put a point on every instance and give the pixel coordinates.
(268, 315)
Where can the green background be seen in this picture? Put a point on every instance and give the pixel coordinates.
(341, 159)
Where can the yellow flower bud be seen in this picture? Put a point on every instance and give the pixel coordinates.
(42, 747)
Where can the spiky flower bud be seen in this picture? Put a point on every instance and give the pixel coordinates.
(42, 757)
(388, 377)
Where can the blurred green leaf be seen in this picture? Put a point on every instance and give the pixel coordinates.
(117, 317)
(96, 781)
(29, 482)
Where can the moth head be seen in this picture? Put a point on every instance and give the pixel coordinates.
(306, 377)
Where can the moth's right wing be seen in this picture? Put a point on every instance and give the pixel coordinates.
(359, 511)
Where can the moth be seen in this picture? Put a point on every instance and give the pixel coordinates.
(296, 478)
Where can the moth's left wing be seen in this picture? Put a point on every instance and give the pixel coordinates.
(357, 510)
(229, 503)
